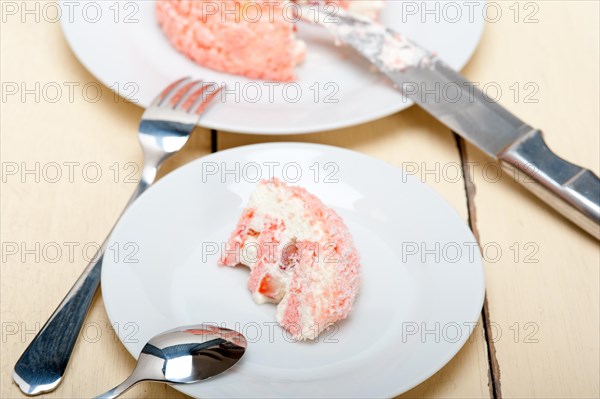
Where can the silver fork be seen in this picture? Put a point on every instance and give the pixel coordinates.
(165, 128)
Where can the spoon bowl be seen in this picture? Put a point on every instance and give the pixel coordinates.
(185, 355)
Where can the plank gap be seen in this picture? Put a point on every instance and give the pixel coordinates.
(470, 190)
(214, 145)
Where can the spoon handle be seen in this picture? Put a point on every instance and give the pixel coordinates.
(120, 389)
(42, 366)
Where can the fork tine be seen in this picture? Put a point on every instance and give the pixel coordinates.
(202, 103)
(176, 95)
(167, 90)
(185, 102)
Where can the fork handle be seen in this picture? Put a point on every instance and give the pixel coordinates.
(42, 366)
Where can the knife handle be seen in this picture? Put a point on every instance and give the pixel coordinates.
(571, 190)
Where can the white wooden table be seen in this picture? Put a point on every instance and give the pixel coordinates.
(538, 335)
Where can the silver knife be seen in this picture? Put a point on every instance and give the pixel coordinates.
(419, 75)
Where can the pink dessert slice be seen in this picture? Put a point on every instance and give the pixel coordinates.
(301, 256)
(249, 38)
(252, 38)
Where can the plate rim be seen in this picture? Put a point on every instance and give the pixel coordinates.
(239, 128)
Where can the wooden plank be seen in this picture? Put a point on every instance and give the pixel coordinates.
(413, 140)
(93, 136)
(543, 290)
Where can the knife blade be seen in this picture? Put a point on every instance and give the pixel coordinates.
(424, 78)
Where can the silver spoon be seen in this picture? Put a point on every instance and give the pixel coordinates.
(183, 356)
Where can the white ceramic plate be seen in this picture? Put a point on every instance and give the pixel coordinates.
(335, 87)
(422, 276)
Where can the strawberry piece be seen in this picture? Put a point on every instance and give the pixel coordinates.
(270, 287)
